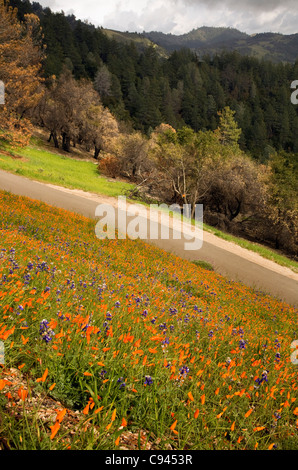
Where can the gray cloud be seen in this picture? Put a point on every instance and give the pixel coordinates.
(48, 3)
(256, 5)
(181, 16)
(153, 17)
(251, 16)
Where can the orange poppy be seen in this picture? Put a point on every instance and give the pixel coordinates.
(22, 393)
(44, 376)
(123, 422)
(54, 429)
(61, 415)
(172, 427)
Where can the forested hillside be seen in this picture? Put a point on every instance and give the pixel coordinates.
(274, 47)
(143, 87)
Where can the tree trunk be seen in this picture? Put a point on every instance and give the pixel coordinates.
(234, 213)
(96, 152)
(53, 136)
(65, 142)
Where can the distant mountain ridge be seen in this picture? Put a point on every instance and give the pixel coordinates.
(205, 40)
(211, 40)
(199, 37)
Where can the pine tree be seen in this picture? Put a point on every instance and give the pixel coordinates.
(228, 131)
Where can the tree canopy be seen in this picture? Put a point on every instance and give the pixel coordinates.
(20, 67)
(146, 89)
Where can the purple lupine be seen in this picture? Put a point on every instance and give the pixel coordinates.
(45, 331)
(148, 380)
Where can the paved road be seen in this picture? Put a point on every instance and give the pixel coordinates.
(227, 259)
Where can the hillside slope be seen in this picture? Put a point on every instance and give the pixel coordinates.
(211, 40)
(131, 339)
(203, 40)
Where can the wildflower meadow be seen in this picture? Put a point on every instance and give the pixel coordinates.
(115, 344)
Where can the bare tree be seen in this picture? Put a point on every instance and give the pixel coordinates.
(72, 112)
(103, 81)
(99, 128)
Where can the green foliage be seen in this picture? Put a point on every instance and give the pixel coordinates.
(228, 130)
(284, 169)
(204, 265)
(147, 88)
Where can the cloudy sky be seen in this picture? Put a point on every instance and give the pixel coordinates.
(181, 16)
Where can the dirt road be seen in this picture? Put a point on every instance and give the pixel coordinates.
(228, 259)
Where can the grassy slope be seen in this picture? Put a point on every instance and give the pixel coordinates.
(41, 164)
(143, 341)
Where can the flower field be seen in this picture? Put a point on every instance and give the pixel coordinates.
(114, 344)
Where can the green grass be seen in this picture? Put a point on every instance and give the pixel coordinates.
(257, 248)
(204, 265)
(49, 167)
(127, 338)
